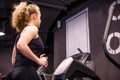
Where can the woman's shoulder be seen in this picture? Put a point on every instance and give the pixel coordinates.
(30, 30)
(31, 27)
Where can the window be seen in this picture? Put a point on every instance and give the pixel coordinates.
(77, 33)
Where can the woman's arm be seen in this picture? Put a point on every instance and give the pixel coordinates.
(13, 56)
(26, 36)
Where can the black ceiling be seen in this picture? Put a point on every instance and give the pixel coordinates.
(51, 11)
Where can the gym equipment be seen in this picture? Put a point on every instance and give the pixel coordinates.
(107, 38)
(71, 68)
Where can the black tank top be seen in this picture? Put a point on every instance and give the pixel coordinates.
(37, 47)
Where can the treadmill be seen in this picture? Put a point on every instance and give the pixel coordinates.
(71, 68)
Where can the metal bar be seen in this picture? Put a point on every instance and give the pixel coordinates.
(111, 9)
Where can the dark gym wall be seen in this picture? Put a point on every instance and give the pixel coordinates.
(5, 60)
(59, 45)
(98, 13)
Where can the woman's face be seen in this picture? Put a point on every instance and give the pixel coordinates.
(38, 20)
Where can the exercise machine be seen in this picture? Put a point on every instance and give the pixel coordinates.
(71, 68)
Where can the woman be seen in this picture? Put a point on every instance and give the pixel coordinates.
(28, 48)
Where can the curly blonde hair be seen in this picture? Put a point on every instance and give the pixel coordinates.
(21, 15)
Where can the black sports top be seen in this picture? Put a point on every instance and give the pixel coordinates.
(37, 47)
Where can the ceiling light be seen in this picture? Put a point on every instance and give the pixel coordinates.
(2, 33)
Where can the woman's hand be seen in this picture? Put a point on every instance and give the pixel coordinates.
(42, 55)
(43, 60)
